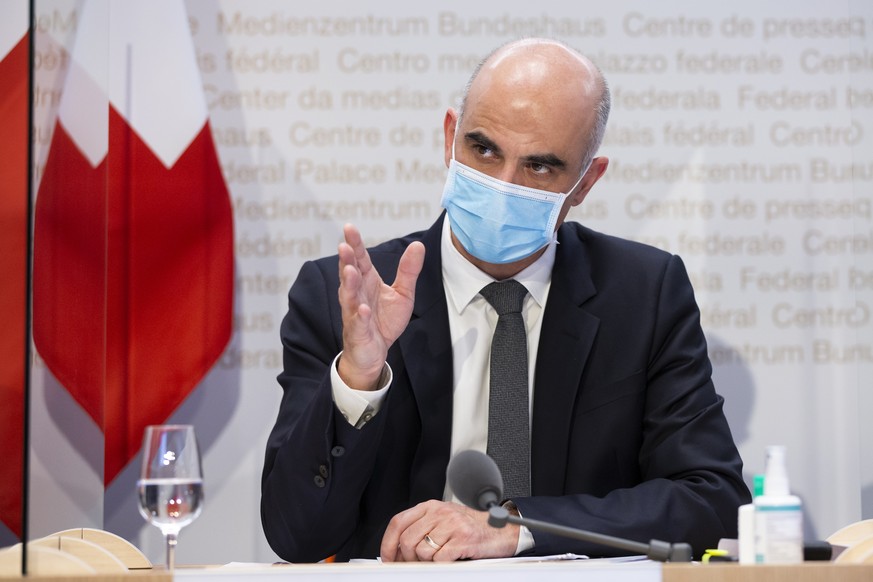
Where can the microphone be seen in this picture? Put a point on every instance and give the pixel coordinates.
(475, 479)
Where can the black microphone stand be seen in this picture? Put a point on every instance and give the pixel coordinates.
(657, 550)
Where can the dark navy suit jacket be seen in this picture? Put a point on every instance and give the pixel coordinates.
(628, 435)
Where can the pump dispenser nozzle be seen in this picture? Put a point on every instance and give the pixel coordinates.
(776, 474)
(778, 515)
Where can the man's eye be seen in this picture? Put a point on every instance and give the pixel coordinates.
(539, 168)
(482, 150)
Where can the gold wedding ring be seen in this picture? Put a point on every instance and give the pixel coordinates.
(429, 541)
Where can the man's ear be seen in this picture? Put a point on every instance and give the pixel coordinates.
(594, 173)
(449, 124)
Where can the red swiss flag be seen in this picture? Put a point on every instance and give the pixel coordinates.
(133, 249)
(13, 268)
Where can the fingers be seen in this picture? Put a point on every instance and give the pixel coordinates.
(358, 279)
(398, 527)
(405, 539)
(355, 264)
(408, 269)
(349, 291)
(431, 543)
(456, 532)
(426, 550)
(430, 531)
(360, 257)
(356, 312)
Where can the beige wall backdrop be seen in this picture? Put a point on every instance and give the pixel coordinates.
(741, 139)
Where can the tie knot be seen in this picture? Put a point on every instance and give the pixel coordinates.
(505, 296)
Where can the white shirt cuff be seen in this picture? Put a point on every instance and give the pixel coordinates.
(525, 537)
(525, 540)
(358, 406)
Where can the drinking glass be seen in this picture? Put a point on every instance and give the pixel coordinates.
(171, 481)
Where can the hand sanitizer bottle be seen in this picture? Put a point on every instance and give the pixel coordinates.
(746, 524)
(778, 515)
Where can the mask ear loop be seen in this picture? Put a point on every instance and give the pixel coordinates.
(576, 185)
(455, 137)
(570, 191)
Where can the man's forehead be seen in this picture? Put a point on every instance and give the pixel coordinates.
(542, 130)
(529, 56)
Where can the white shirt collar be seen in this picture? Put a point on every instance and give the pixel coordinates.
(463, 280)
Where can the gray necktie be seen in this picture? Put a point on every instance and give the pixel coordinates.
(508, 409)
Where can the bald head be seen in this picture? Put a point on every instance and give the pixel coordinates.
(543, 77)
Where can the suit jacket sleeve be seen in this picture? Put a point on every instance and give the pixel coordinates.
(685, 479)
(317, 465)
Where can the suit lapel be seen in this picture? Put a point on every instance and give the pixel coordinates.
(426, 348)
(567, 335)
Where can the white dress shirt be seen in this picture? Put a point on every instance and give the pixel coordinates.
(472, 321)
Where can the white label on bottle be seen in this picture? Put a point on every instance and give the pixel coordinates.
(779, 534)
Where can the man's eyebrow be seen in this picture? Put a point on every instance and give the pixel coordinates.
(545, 159)
(481, 139)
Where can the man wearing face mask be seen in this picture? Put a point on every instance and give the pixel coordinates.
(620, 430)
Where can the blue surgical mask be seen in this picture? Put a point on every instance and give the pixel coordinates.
(497, 221)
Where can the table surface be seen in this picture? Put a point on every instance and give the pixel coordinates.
(558, 571)
(575, 571)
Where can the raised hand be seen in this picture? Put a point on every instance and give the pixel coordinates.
(374, 313)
